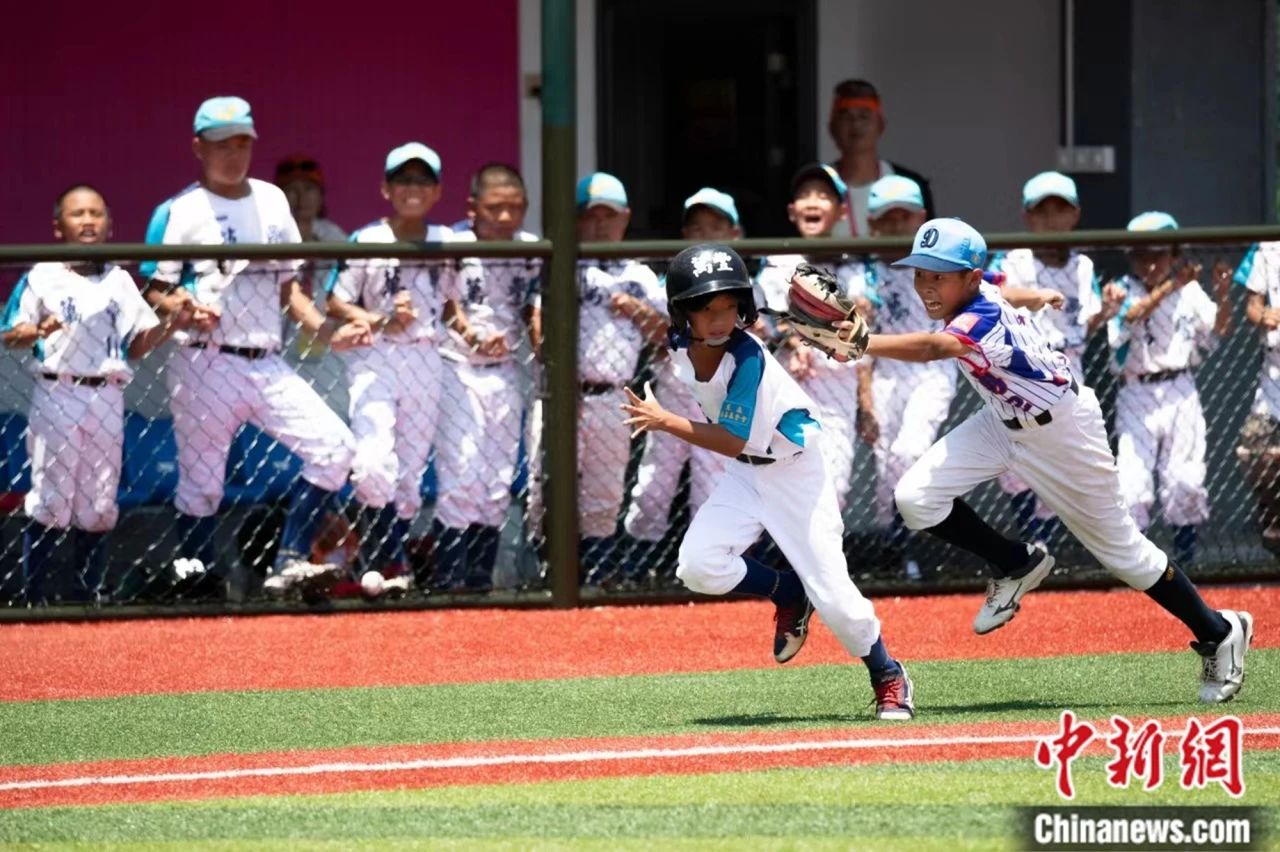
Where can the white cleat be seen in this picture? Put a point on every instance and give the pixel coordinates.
(1222, 664)
(302, 575)
(1004, 595)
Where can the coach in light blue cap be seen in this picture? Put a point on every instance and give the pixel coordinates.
(601, 189)
(408, 152)
(1049, 185)
(946, 245)
(223, 117)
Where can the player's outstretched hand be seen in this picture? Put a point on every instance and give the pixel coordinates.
(351, 334)
(494, 346)
(1053, 299)
(647, 414)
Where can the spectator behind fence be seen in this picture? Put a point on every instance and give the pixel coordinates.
(302, 182)
(856, 125)
(82, 322)
(1259, 448)
(395, 383)
(709, 216)
(1051, 204)
(479, 438)
(229, 370)
(841, 390)
(1159, 337)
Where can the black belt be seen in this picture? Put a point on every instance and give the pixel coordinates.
(90, 381)
(242, 351)
(1044, 418)
(755, 461)
(597, 388)
(1162, 376)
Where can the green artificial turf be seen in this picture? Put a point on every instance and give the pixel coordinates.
(1136, 685)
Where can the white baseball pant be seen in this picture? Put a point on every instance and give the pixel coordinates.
(212, 394)
(1161, 432)
(479, 439)
(1068, 464)
(793, 500)
(1010, 483)
(911, 406)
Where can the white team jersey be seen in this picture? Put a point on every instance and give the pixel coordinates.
(609, 344)
(1010, 363)
(493, 293)
(373, 284)
(775, 279)
(1173, 337)
(752, 397)
(1075, 280)
(1259, 272)
(100, 312)
(248, 293)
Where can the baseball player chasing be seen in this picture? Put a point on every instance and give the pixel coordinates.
(777, 479)
(1043, 425)
(228, 370)
(83, 323)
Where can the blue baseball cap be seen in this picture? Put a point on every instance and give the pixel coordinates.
(822, 172)
(601, 189)
(1049, 185)
(223, 117)
(894, 192)
(1153, 220)
(409, 152)
(946, 245)
(720, 202)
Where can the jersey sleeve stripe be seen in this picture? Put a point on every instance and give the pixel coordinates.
(10, 317)
(738, 410)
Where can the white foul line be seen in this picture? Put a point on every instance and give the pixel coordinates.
(518, 759)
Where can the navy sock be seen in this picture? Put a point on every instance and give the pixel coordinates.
(377, 534)
(91, 560)
(879, 664)
(1184, 544)
(395, 545)
(310, 503)
(1024, 513)
(484, 545)
(765, 582)
(195, 538)
(964, 529)
(1175, 592)
(38, 545)
(451, 554)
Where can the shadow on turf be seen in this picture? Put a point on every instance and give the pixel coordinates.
(1056, 706)
(761, 720)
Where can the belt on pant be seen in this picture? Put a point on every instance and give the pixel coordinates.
(597, 388)
(1044, 418)
(1162, 376)
(90, 381)
(249, 352)
(755, 460)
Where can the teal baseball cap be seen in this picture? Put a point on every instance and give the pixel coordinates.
(822, 172)
(1153, 220)
(223, 117)
(894, 192)
(408, 152)
(1049, 185)
(601, 189)
(946, 245)
(720, 202)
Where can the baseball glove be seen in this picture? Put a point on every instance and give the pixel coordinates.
(815, 306)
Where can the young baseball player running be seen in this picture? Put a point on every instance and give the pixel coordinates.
(911, 399)
(1166, 325)
(709, 216)
(395, 383)
(776, 478)
(479, 435)
(1050, 204)
(82, 322)
(1043, 425)
(229, 371)
(841, 390)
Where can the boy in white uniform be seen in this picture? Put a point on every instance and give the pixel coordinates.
(1164, 328)
(759, 418)
(82, 321)
(229, 370)
(395, 383)
(1043, 425)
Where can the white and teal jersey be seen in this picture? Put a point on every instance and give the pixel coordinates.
(373, 284)
(246, 292)
(1174, 336)
(1077, 283)
(609, 344)
(752, 397)
(1259, 272)
(100, 313)
(494, 292)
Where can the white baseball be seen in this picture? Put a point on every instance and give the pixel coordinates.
(371, 583)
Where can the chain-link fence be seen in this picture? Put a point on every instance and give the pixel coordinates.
(200, 470)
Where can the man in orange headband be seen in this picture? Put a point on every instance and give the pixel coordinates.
(856, 125)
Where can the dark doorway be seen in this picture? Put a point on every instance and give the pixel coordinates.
(710, 93)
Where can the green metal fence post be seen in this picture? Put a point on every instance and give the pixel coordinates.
(560, 326)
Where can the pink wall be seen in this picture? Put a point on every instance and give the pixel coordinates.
(105, 93)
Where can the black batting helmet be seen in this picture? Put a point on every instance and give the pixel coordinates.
(702, 270)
